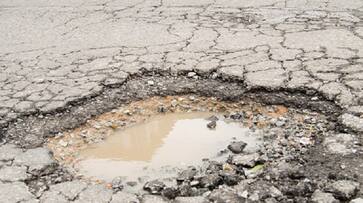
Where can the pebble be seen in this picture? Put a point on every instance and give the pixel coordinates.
(212, 125)
(210, 181)
(343, 189)
(246, 160)
(117, 184)
(154, 187)
(170, 193)
(187, 175)
(191, 74)
(322, 197)
(237, 147)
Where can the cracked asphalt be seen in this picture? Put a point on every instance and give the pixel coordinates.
(56, 53)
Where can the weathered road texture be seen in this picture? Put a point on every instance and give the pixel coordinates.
(54, 52)
(57, 51)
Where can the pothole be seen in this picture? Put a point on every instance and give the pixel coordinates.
(172, 140)
(162, 137)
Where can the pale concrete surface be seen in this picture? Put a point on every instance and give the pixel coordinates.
(53, 52)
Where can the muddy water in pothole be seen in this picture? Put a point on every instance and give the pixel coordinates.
(166, 141)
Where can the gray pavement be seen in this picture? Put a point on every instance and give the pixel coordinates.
(54, 52)
(57, 51)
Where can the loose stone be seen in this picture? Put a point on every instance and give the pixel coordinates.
(343, 189)
(154, 187)
(237, 147)
(211, 181)
(322, 197)
(170, 193)
(187, 175)
(247, 160)
(117, 184)
(212, 125)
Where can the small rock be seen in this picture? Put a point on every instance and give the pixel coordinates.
(191, 74)
(214, 167)
(322, 197)
(194, 183)
(187, 175)
(244, 194)
(237, 147)
(248, 160)
(212, 125)
(210, 181)
(340, 143)
(227, 167)
(254, 197)
(343, 189)
(274, 192)
(185, 190)
(154, 187)
(117, 184)
(170, 193)
(230, 178)
(296, 172)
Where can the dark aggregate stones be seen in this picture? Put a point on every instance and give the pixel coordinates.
(343, 189)
(187, 175)
(212, 125)
(186, 189)
(210, 181)
(230, 178)
(323, 197)
(245, 160)
(237, 147)
(170, 192)
(154, 187)
(117, 184)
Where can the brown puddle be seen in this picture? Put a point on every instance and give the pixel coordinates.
(174, 140)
